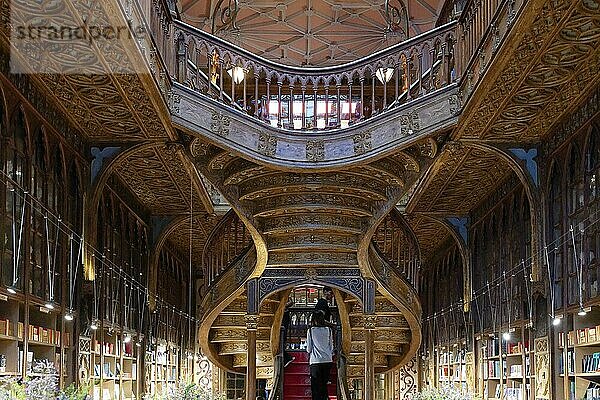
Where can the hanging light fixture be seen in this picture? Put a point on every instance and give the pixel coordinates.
(94, 325)
(557, 320)
(506, 336)
(49, 305)
(127, 338)
(237, 74)
(11, 290)
(69, 315)
(384, 74)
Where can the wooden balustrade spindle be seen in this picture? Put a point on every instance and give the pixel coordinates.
(232, 85)
(315, 107)
(303, 107)
(209, 73)
(397, 83)
(279, 84)
(326, 106)
(245, 93)
(339, 109)
(372, 94)
(256, 94)
(349, 101)
(291, 107)
(362, 97)
(384, 103)
(420, 72)
(220, 80)
(266, 107)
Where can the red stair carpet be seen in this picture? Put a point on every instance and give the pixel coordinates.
(296, 379)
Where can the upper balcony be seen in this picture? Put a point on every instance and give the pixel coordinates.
(277, 112)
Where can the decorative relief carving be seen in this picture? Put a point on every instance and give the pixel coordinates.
(542, 369)
(315, 150)
(408, 377)
(267, 144)
(370, 321)
(312, 257)
(220, 124)
(470, 371)
(362, 142)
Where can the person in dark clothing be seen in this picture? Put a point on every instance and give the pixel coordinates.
(323, 304)
(285, 323)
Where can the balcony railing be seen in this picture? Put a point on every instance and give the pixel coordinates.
(310, 98)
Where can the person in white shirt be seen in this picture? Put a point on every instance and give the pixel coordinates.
(319, 345)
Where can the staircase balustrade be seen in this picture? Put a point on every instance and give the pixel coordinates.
(396, 244)
(483, 25)
(226, 242)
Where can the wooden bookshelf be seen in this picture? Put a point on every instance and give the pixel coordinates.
(451, 366)
(30, 333)
(115, 365)
(505, 367)
(579, 360)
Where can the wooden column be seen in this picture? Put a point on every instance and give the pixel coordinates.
(251, 327)
(369, 393)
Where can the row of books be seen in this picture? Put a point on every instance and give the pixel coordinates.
(580, 336)
(570, 363)
(492, 348)
(457, 356)
(494, 369)
(592, 392)
(35, 333)
(516, 348)
(46, 335)
(109, 348)
(516, 370)
(118, 372)
(590, 362)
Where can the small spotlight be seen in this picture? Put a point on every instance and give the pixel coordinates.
(94, 326)
(11, 290)
(49, 306)
(556, 321)
(69, 316)
(127, 339)
(582, 312)
(506, 336)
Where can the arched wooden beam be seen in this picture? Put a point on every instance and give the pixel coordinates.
(522, 163)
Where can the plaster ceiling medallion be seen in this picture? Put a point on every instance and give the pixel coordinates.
(313, 32)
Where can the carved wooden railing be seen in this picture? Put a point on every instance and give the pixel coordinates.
(227, 241)
(342, 95)
(394, 283)
(396, 244)
(483, 25)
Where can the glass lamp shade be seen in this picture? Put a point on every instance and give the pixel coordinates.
(237, 73)
(384, 74)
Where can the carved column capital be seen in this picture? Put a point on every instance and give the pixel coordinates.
(370, 322)
(251, 322)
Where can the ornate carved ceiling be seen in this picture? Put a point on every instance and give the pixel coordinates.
(198, 231)
(460, 179)
(313, 32)
(430, 234)
(545, 73)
